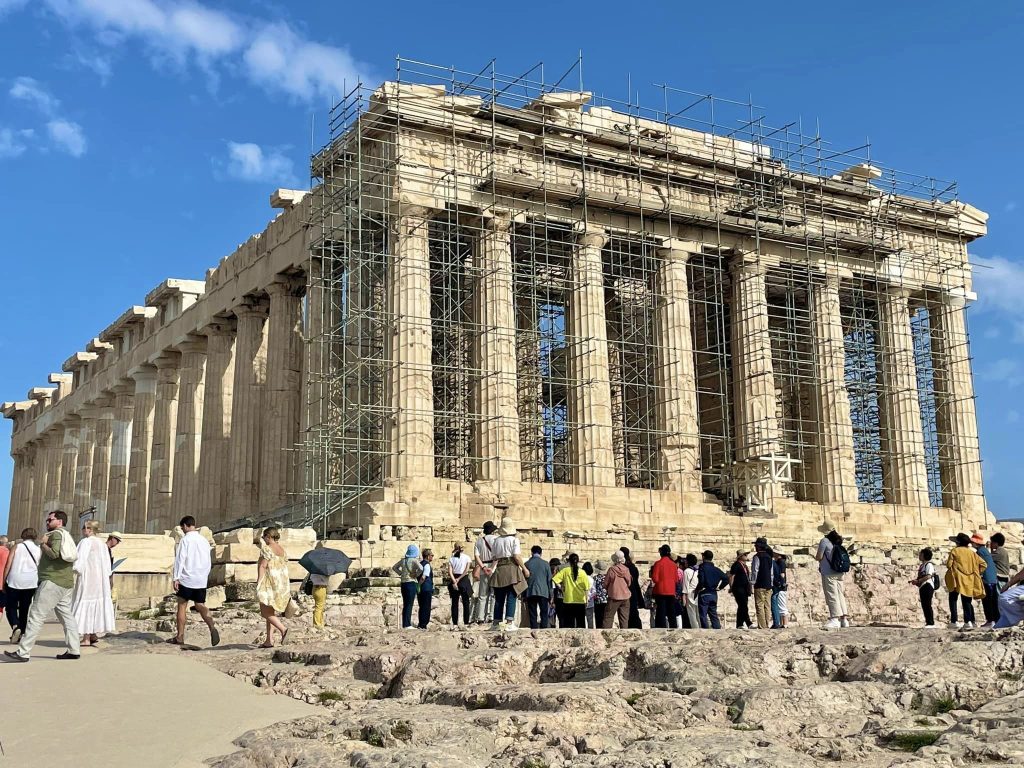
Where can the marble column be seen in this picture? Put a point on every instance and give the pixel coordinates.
(218, 405)
(15, 514)
(54, 468)
(836, 462)
(137, 508)
(102, 439)
(187, 446)
(279, 461)
(39, 480)
(161, 462)
(247, 408)
(28, 486)
(591, 446)
(904, 475)
(496, 394)
(675, 378)
(84, 465)
(69, 462)
(120, 455)
(410, 378)
(956, 420)
(754, 404)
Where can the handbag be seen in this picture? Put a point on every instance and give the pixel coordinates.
(68, 550)
(292, 609)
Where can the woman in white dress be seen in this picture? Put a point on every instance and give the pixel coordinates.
(90, 602)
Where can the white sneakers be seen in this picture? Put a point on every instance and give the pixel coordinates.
(988, 625)
(16, 636)
(844, 623)
(832, 624)
(931, 626)
(968, 625)
(954, 625)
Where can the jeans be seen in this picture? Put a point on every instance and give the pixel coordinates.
(537, 611)
(965, 602)
(575, 615)
(615, 608)
(776, 616)
(665, 612)
(484, 595)
(461, 593)
(927, 594)
(763, 606)
(504, 603)
(742, 609)
(408, 601)
(990, 602)
(425, 599)
(707, 606)
(50, 597)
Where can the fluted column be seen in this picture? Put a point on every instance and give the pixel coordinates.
(102, 439)
(674, 375)
(187, 446)
(247, 408)
(218, 404)
(27, 514)
(161, 462)
(120, 455)
(496, 395)
(956, 420)
(757, 426)
(591, 446)
(15, 513)
(904, 475)
(40, 479)
(410, 381)
(84, 464)
(69, 462)
(137, 508)
(280, 456)
(836, 463)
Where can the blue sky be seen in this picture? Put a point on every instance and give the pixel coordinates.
(140, 139)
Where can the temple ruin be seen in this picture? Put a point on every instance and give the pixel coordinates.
(505, 296)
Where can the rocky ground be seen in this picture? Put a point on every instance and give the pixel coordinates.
(867, 696)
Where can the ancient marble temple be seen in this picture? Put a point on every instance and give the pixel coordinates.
(584, 317)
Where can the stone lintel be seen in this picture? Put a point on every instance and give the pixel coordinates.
(286, 199)
(682, 249)
(61, 379)
(41, 393)
(77, 360)
(133, 315)
(172, 287)
(11, 408)
(561, 100)
(98, 346)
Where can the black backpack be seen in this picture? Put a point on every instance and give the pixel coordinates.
(839, 560)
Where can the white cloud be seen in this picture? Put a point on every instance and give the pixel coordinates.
(999, 284)
(31, 90)
(269, 53)
(13, 142)
(251, 162)
(67, 136)
(97, 63)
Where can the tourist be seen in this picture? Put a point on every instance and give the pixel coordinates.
(739, 587)
(483, 566)
(1011, 602)
(761, 572)
(538, 589)
(21, 578)
(665, 575)
(5, 553)
(557, 600)
(90, 601)
(833, 565)
(575, 585)
(191, 574)
(56, 579)
(963, 580)
(710, 581)
(409, 571)
(425, 597)
(926, 581)
(617, 581)
(600, 593)
(272, 588)
(509, 577)
(113, 539)
(997, 546)
(689, 592)
(636, 594)
(460, 583)
(319, 592)
(990, 581)
(780, 588)
(588, 569)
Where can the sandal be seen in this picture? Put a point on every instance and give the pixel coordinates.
(264, 645)
(284, 635)
(174, 641)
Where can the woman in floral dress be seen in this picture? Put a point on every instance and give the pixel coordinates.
(272, 589)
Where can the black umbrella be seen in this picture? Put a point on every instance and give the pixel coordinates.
(325, 562)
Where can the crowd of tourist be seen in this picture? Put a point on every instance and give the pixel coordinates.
(682, 591)
(50, 573)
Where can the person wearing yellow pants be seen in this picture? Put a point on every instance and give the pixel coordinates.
(319, 598)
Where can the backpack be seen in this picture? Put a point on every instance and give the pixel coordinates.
(68, 551)
(839, 559)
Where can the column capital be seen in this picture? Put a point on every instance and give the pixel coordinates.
(672, 249)
(956, 298)
(192, 344)
(220, 326)
(749, 262)
(143, 374)
(287, 285)
(100, 403)
(410, 211)
(125, 387)
(591, 237)
(251, 306)
(168, 358)
(895, 290)
(829, 275)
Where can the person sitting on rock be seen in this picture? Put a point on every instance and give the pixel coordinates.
(1011, 602)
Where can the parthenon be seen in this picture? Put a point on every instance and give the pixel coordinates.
(506, 297)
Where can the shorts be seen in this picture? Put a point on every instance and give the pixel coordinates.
(191, 593)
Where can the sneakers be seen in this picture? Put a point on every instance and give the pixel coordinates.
(12, 656)
(510, 626)
(988, 625)
(844, 623)
(931, 626)
(832, 624)
(968, 626)
(954, 625)
(16, 636)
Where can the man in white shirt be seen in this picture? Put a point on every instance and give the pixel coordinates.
(460, 584)
(191, 574)
(483, 558)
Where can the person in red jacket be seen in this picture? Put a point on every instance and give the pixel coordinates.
(664, 574)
